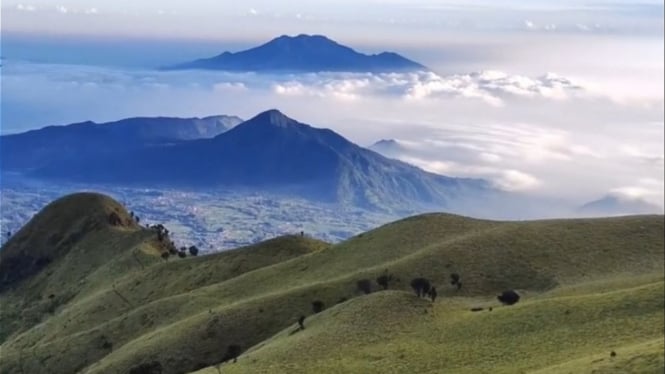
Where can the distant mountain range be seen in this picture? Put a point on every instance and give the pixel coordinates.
(612, 205)
(38, 148)
(303, 53)
(270, 152)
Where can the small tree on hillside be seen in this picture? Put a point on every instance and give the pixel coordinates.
(182, 254)
(193, 250)
(317, 306)
(165, 255)
(384, 280)
(432, 293)
(364, 285)
(509, 297)
(232, 353)
(421, 286)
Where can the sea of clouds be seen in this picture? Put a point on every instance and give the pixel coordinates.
(545, 135)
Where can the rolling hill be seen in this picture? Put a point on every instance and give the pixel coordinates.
(107, 302)
(303, 53)
(276, 154)
(37, 148)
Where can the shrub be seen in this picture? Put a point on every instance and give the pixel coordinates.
(105, 343)
(193, 250)
(365, 285)
(509, 297)
(232, 353)
(317, 306)
(165, 255)
(182, 254)
(421, 286)
(384, 280)
(454, 279)
(301, 322)
(432, 293)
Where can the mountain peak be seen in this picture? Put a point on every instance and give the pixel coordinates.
(55, 230)
(301, 37)
(386, 142)
(304, 53)
(273, 117)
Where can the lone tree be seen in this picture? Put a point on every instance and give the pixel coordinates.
(432, 293)
(182, 254)
(421, 286)
(364, 285)
(384, 280)
(301, 322)
(317, 306)
(232, 353)
(509, 297)
(193, 250)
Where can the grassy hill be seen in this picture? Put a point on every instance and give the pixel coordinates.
(107, 302)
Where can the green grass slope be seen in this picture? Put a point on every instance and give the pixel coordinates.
(395, 332)
(131, 307)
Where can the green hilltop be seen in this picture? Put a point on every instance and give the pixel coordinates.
(84, 289)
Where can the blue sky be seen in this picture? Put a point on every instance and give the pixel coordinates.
(258, 19)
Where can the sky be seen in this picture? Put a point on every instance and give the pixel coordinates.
(549, 98)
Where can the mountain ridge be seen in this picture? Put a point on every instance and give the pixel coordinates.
(302, 53)
(35, 148)
(274, 153)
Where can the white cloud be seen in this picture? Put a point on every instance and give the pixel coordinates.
(91, 11)
(61, 9)
(229, 86)
(252, 12)
(515, 180)
(26, 7)
(492, 87)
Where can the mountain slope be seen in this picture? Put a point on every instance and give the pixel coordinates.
(37, 148)
(303, 53)
(595, 284)
(274, 153)
(417, 337)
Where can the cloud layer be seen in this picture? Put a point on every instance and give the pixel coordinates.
(543, 135)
